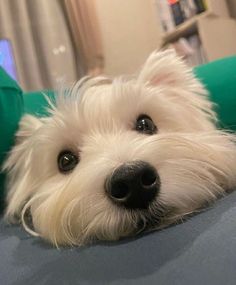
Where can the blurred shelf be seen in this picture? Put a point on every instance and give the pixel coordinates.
(214, 28)
(187, 28)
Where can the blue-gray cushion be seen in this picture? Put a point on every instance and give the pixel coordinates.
(200, 251)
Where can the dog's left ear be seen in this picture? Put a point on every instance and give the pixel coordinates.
(18, 165)
(28, 125)
(165, 68)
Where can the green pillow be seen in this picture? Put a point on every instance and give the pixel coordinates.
(11, 109)
(36, 104)
(219, 77)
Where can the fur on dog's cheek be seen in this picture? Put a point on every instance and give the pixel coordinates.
(78, 212)
(194, 170)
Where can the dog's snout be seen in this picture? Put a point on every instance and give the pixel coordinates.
(133, 185)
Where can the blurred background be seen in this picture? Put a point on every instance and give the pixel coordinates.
(44, 43)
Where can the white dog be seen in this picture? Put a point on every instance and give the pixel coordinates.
(119, 156)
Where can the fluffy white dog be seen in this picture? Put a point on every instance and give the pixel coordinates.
(119, 156)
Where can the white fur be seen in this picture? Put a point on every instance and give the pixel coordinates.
(96, 118)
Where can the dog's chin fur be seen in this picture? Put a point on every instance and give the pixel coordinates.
(96, 119)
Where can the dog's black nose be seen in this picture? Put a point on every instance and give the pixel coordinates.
(133, 185)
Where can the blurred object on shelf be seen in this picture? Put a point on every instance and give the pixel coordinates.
(202, 18)
(175, 12)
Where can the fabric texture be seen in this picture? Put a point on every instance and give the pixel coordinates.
(200, 251)
(11, 109)
(219, 77)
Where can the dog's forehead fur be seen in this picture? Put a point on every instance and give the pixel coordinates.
(114, 107)
(164, 89)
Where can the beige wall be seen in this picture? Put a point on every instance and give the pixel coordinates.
(130, 31)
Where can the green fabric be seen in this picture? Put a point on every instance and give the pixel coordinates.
(11, 109)
(36, 104)
(219, 77)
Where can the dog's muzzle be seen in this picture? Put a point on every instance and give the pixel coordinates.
(133, 185)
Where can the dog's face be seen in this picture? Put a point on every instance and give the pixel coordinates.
(118, 157)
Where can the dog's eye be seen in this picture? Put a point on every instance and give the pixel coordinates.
(67, 161)
(145, 125)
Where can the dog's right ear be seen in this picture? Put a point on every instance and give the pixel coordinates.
(165, 68)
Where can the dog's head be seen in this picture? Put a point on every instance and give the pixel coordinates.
(119, 156)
